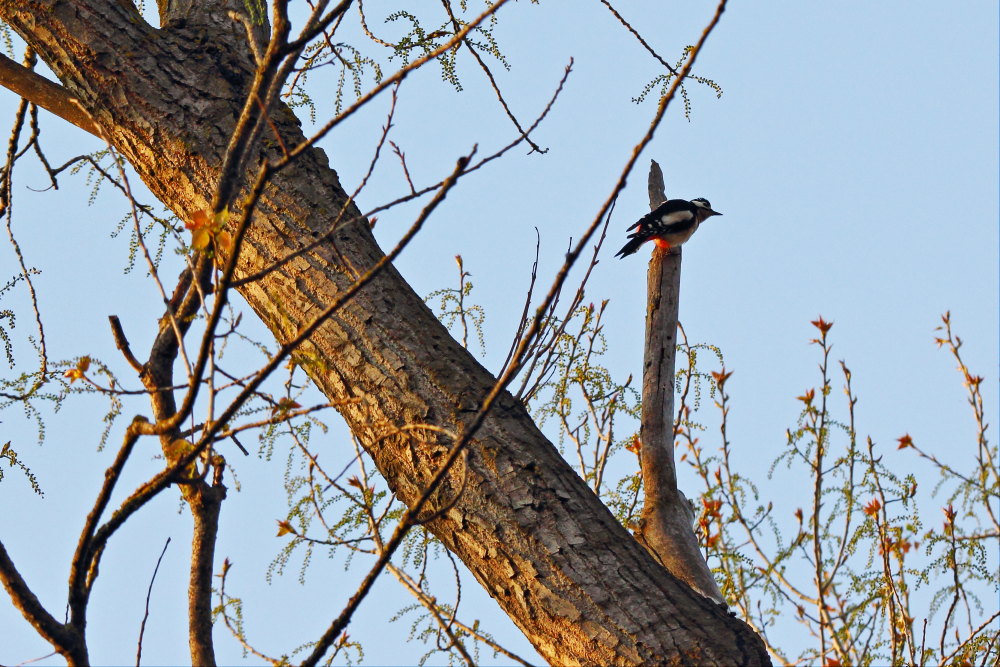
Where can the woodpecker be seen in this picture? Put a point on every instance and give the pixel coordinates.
(671, 224)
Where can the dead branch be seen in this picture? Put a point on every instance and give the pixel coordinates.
(665, 526)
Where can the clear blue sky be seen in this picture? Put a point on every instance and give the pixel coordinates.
(853, 154)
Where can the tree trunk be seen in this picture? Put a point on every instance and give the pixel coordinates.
(532, 533)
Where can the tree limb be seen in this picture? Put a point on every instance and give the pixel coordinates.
(68, 643)
(50, 96)
(205, 507)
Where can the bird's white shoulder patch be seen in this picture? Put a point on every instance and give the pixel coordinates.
(675, 217)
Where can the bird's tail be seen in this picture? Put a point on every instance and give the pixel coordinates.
(631, 246)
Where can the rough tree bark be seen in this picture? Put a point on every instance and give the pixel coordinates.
(532, 533)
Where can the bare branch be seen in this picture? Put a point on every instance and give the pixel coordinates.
(64, 638)
(159, 482)
(6, 209)
(149, 593)
(636, 34)
(88, 549)
(489, 75)
(121, 342)
(50, 96)
(205, 507)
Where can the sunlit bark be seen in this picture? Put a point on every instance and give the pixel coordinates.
(531, 532)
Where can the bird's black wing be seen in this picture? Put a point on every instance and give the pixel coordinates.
(665, 215)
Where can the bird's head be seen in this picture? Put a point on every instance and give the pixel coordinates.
(704, 209)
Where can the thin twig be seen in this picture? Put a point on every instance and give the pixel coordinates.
(6, 209)
(323, 235)
(149, 594)
(642, 41)
(489, 75)
(160, 481)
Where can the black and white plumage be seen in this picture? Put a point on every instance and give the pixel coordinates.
(671, 224)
